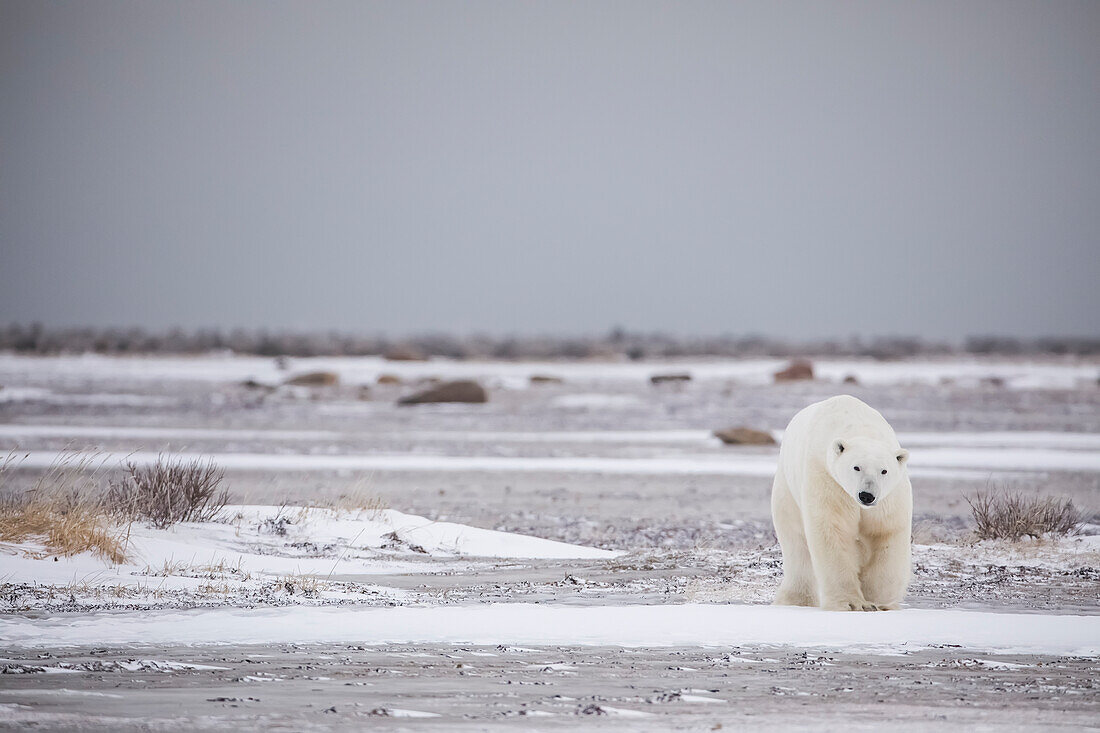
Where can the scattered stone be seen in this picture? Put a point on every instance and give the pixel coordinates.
(664, 697)
(744, 436)
(677, 377)
(546, 379)
(404, 353)
(314, 379)
(254, 384)
(389, 379)
(851, 379)
(460, 391)
(364, 392)
(993, 382)
(393, 541)
(233, 699)
(591, 709)
(796, 370)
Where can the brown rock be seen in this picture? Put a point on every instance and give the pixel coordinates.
(389, 379)
(405, 353)
(460, 391)
(797, 369)
(545, 379)
(851, 379)
(744, 436)
(314, 379)
(678, 377)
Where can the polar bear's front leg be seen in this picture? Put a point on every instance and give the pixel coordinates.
(831, 534)
(886, 575)
(799, 586)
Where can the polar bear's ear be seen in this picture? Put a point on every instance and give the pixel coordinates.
(903, 456)
(838, 447)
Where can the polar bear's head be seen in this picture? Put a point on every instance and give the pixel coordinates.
(867, 470)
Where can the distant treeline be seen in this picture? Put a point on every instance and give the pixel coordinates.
(37, 339)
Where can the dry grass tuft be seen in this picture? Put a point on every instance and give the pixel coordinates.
(358, 499)
(356, 502)
(1012, 516)
(170, 491)
(307, 586)
(64, 509)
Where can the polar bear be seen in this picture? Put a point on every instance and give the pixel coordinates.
(843, 509)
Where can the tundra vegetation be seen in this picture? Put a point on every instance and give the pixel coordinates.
(1015, 515)
(73, 507)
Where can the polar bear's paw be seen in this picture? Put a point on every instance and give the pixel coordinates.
(852, 605)
(794, 597)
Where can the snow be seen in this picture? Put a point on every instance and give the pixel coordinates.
(1016, 374)
(890, 632)
(1000, 439)
(402, 713)
(347, 543)
(953, 462)
(596, 401)
(1022, 439)
(102, 399)
(19, 431)
(1016, 459)
(699, 698)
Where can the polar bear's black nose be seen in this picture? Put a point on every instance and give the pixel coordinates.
(866, 498)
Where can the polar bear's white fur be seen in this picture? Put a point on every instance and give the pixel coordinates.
(843, 509)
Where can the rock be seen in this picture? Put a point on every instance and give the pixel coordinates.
(314, 379)
(993, 381)
(460, 391)
(678, 377)
(404, 353)
(389, 379)
(797, 369)
(364, 392)
(851, 379)
(251, 384)
(545, 379)
(744, 436)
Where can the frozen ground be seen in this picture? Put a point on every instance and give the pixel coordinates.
(574, 551)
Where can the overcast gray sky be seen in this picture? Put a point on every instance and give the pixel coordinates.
(794, 169)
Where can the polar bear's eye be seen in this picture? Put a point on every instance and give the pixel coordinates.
(884, 472)
(856, 467)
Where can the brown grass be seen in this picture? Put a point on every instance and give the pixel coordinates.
(1012, 516)
(64, 508)
(170, 491)
(304, 585)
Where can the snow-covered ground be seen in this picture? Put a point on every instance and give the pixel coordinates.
(930, 461)
(1021, 374)
(253, 549)
(596, 525)
(527, 624)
